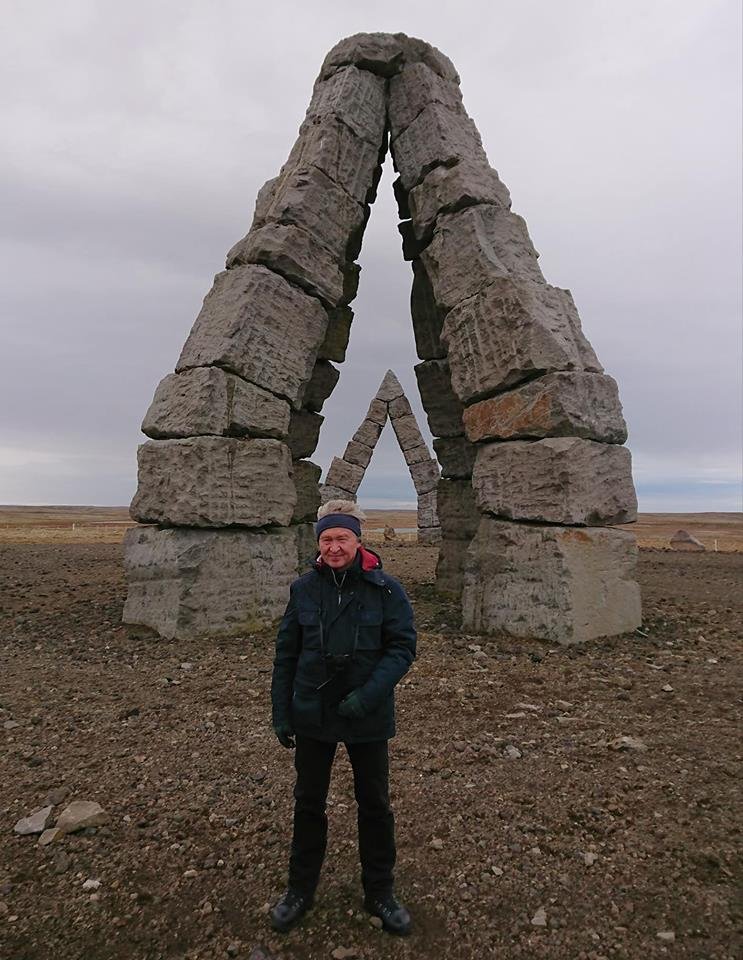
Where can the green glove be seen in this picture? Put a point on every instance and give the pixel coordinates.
(285, 734)
(352, 707)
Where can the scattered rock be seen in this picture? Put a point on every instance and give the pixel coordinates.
(91, 885)
(344, 953)
(376, 922)
(590, 858)
(540, 918)
(37, 822)
(627, 743)
(437, 843)
(80, 814)
(668, 935)
(52, 835)
(513, 753)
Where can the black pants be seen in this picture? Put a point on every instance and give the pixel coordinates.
(313, 761)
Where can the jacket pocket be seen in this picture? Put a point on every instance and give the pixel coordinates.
(370, 630)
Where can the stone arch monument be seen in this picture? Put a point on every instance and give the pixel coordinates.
(346, 472)
(528, 428)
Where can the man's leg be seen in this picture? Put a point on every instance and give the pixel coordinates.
(370, 764)
(313, 761)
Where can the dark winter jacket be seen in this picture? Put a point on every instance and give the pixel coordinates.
(370, 620)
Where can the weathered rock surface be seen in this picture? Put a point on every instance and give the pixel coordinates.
(328, 492)
(425, 475)
(407, 432)
(191, 583)
(80, 814)
(296, 255)
(399, 407)
(304, 433)
(450, 565)
(358, 453)
(511, 331)
(475, 247)
(429, 535)
(307, 197)
(345, 475)
(35, 822)
(457, 510)
(436, 136)
(456, 456)
(562, 480)
(427, 510)
(427, 317)
(208, 400)
(385, 54)
(415, 88)
(377, 411)
(416, 454)
(575, 404)
(443, 408)
(256, 324)
(368, 433)
(683, 540)
(320, 385)
(350, 161)
(214, 482)
(389, 388)
(306, 477)
(335, 344)
(356, 97)
(559, 583)
(449, 189)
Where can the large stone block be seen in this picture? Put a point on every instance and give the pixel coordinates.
(207, 400)
(510, 332)
(449, 189)
(304, 433)
(377, 411)
(184, 584)
(345, 475)
(474, 247)
(425, 475)
(456, 456)
(328, 492)
(562, 480)
(561, 584)
(296, 255)
(399, 407)
(306, 476)
(368, 433)
(385, 54)
(335, 344)
(429, 535)
(306, 546)
(436, 136)
(358, 453)
(356, 97)
(307, 197)
(416, 454)
(450, 565)
(427, 512)
(214, 482)
(427, 317)
(443, 408)
(333, 147)
(415, 88)
(576, 404)
(407, 432)
(457, 510)
(389, 388)
(320, 385)
(256, 324)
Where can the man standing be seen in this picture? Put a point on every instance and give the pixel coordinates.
(346, 639)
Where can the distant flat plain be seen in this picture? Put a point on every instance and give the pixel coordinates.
(68, 524)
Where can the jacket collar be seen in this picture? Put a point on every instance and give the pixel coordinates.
(367, 563)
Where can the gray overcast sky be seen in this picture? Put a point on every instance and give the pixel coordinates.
(138, 134)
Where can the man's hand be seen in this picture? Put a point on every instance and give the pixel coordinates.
(285, 735)
(352, 707)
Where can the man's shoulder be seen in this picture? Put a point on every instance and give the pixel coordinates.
(304, 582)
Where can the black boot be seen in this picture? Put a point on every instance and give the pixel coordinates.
(289, 909)
(395, 918)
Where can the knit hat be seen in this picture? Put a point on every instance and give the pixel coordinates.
(344, 520)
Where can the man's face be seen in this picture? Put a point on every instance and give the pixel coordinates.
(338, 547)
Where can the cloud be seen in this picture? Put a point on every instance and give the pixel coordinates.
(138, 135)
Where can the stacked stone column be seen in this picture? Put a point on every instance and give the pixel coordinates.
(224, 482)
(529, 428)
(346, 472)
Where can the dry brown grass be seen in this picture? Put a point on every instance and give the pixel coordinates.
(721, 531)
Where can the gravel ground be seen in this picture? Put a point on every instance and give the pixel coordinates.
(522, 830)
